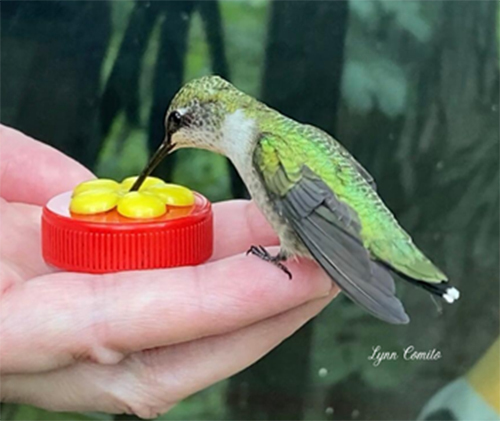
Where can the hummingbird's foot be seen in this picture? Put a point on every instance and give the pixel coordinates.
(277, 260)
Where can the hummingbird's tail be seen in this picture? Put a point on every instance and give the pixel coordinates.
(443, 289)
(400, 255)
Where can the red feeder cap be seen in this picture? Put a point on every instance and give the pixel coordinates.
(102, 244)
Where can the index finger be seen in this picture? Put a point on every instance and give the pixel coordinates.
(33, 172)
(67, 316)
(238, 224)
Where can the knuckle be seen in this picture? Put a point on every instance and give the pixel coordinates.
(146, 396)
(95, 343)
(145, 412)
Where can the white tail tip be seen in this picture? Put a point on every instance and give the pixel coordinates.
(452, 294)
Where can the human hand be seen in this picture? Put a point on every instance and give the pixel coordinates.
(134, 342)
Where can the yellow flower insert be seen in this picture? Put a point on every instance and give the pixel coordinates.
(151, 201)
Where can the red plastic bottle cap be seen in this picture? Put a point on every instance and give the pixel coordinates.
(110, 242)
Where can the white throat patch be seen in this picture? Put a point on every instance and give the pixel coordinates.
(238, 138)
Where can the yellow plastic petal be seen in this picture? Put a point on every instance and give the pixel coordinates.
(127, 184)
(173, 194)
(94, 201)
(138, 205)
(100, 183)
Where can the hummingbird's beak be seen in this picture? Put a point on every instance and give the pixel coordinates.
(163, 150)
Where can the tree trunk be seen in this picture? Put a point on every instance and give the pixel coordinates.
(50, 75)
(210, 13)
(169, 74)
(122, 87)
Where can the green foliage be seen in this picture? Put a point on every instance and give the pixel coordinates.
(119, 17)
(123, 153)
(197, 59)
(28, 413)
(204, 172)
(209, 404)
(373, 78)
(245, 32)
(377, 84)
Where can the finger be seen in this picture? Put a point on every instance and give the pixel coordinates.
(68, 317)
(20, 245)
(32, 172)
(151, 382)
(184, 369)
(238, 224)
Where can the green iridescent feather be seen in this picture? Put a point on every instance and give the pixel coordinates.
(299, 146)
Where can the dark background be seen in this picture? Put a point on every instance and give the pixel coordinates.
(410, 88)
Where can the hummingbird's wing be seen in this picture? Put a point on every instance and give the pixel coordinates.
(329, 228)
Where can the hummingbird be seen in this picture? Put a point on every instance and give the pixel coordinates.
(320, 201)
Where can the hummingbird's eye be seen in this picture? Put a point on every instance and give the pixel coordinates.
(174, 121)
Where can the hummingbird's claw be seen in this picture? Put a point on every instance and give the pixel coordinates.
(263, 254)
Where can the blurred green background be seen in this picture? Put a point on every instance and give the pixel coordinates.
(411, 88)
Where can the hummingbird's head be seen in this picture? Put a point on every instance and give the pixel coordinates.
(207, 113)
(197, 114)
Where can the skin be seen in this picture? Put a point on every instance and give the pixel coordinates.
(79, 342)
